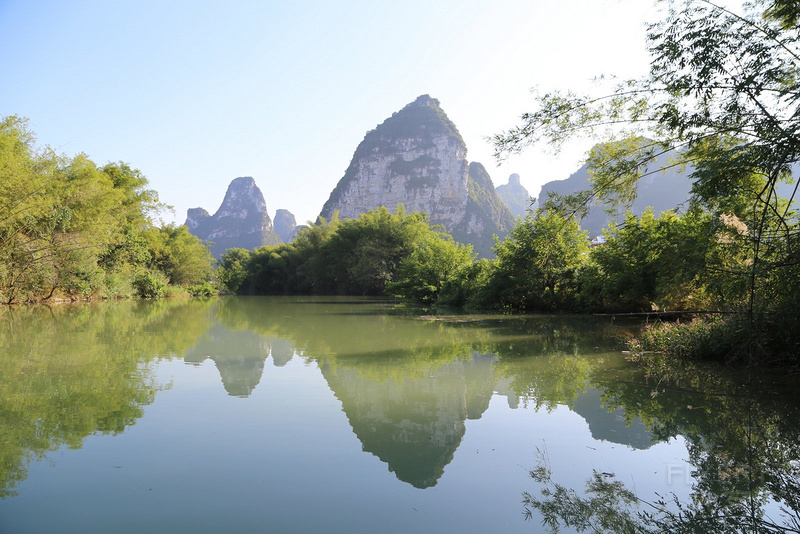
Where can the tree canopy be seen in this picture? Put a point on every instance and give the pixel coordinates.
(72, 229)
(376, 254)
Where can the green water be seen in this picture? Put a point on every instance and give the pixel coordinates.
(344, 415)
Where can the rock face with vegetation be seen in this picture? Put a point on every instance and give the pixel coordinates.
(417, 158)
(240, 222)
(485, 215)
(515, 196)
(286, 225)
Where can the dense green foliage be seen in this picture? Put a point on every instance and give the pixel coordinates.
(72, 229)
(651, 263)
(377, 254)
(432, 263)
(648, 263)
(537, 264)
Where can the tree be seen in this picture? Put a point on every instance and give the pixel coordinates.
(138, 203)
(232, 270)
(179, 255)
(468, 286)
(57, 215)
(723, 98)
(69, 228)
(422, 274)
(650, 263)
(365, 254)
(538, 262)
(375, 254)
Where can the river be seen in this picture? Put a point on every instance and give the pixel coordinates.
(260, 414)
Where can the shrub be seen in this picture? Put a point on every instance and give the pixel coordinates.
(769, 340)
(204, 289)
(150, 285)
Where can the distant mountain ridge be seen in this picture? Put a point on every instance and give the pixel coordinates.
(660, 191)
(417, 158)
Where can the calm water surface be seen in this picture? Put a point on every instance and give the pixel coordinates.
(340, 415)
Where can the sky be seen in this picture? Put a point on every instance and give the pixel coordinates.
(195, 93)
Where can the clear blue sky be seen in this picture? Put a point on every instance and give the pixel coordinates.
(196, 93)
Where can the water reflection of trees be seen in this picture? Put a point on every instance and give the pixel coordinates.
(742, 435)
(68, 372)
(406, 385)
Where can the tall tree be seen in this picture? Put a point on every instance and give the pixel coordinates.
(537, 264)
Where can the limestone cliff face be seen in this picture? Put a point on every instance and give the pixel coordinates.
(241, 221)
(417, 158)
(515, 196)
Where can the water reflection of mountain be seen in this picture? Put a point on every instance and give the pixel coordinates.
(239, 356)
(414, 424)
(281, 351)
(611, 424)
(407, 385)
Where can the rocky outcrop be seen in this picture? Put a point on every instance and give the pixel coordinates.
(417, 158)
(241, 221)
(285, 225)
(515, 196)
(196, 218)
